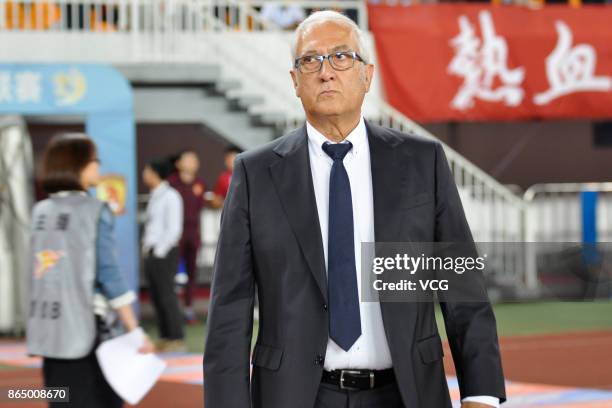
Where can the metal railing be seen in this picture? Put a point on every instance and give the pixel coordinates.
(554, 216)
(555, 208)
(65, 15)
(144, 15)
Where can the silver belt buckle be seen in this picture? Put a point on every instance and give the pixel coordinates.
(343, 387)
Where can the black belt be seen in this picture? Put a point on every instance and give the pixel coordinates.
(359, 379)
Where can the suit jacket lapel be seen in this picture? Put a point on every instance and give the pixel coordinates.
(293, 181)
(389, 180)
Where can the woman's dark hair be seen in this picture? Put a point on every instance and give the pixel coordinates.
(65, 157)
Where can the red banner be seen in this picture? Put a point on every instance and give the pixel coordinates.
(479, 62)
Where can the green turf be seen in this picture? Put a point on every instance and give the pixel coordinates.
(513, 319)
(7, 368)
(516, 319)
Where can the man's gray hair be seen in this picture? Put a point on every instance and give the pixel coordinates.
(325, 16)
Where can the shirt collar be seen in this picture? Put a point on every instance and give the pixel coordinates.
(358, 137)
(67, 193)
(159, 189)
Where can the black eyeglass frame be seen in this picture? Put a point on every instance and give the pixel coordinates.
(321, 58)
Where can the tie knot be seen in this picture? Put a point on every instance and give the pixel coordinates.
(337, 151)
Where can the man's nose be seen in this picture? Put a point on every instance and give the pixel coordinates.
(327, 73)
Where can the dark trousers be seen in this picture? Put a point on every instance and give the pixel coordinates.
(87, 385)
(160, 274)
(189, 253)
(331, 396)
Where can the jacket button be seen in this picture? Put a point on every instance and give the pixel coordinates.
(319, 360)
(325, 307)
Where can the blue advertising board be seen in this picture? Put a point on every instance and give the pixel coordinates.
(104, 98)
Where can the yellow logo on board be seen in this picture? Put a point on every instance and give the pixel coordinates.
(70, 87)
(112, 189)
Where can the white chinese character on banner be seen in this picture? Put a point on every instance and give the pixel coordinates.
(571, 69)
(28, 87)
(484, 66)
(6, 87)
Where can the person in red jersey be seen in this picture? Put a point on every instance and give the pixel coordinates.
(223, 181)
(191, 188)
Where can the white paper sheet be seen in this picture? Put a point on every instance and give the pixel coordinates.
(130, 373)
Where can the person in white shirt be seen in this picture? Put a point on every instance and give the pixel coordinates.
(162, 232)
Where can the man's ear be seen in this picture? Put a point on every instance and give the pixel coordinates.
(368, 73)
(295, 82)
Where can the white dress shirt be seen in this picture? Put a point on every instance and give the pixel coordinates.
(371, 350)
(164, 224)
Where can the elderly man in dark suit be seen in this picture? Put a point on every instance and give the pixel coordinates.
(292, 227)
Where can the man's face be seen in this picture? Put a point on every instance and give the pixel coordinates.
(329, 92)
(149, 177)
(229, 160)
(188, 163)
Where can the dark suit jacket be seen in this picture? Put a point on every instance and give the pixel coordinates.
(270, 241)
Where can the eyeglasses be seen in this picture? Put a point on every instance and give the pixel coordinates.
(340, 61)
